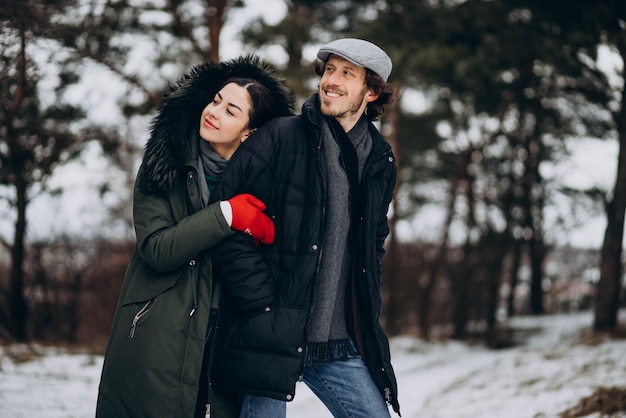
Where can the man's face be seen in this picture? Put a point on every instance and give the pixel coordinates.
(343, 92)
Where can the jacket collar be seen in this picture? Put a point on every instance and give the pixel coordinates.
(314, 119)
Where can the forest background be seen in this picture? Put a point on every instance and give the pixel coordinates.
(491, 98)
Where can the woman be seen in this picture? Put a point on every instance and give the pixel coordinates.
(154, 358)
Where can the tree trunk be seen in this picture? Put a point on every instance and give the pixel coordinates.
(18, 308)
(610, 285)
(516, 261)
(462, 282)
(534, 203)
(460, 175)
(494, 261)
(74, 290)
(216, 22)
(537, 253)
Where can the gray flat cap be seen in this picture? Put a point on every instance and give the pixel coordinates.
(359, 52)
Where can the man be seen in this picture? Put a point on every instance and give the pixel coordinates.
(307, 308)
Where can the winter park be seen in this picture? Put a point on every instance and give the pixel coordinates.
(501, 249)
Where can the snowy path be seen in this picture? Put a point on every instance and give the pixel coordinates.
(539, 379)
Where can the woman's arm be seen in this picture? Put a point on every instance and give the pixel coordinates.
(166, 243)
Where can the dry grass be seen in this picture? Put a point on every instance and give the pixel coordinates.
(608, 401)
(20, 353)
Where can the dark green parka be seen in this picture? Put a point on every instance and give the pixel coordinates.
(154, 355)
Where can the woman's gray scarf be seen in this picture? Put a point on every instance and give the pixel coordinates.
(327, 332)
(212, 166)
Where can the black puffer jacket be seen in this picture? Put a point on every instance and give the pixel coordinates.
(263, 320)
(154, 355)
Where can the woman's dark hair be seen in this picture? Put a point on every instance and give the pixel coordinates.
(375, 82)
(262, 108)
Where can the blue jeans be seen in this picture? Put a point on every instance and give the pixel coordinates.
(262, 407)
(344, 386)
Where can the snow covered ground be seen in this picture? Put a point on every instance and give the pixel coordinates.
(548, 373)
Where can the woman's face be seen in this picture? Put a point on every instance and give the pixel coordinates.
(224, 121)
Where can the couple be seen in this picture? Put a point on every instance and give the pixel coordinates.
(220, 314)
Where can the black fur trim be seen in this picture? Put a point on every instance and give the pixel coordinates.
(169, 145)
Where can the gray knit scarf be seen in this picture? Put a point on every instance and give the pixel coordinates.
(327, 331)
(212, 166)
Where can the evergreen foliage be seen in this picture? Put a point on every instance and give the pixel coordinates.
(503, 84)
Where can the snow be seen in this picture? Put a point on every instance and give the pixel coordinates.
(549, 371)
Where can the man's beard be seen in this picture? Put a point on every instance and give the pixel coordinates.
(352, 108)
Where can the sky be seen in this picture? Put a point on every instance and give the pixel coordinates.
(554, 365)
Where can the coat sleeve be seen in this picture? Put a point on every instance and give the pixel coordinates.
(166, 242)
(240, 266)
(382, 225)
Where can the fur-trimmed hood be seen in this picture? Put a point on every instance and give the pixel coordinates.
(169, 147)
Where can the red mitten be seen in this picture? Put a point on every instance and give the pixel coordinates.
(248, 217)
